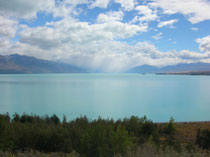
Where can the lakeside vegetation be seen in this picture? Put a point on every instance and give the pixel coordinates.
(32, 135)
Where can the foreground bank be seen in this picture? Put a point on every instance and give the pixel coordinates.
(132, 136)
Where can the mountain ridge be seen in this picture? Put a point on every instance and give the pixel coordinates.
(21, 64)
(182, 67)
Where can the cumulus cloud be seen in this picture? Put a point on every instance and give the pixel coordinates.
(24, 8)
(128, 5)
(167, 23)
(8, 27)
(204, 43)
(67, 8)
(43, 37)
(117, 56)
(146, 13)
(4, 44)
(61, 33)
(110, 17)
(100, 3)
(106, 56)
(195, 10)
(189, 55)
(102, 55)
(28, 9)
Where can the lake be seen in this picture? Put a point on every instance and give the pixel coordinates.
(186, 98)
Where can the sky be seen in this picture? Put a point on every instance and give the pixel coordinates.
(107, 35)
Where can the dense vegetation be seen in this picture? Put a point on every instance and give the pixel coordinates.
(89, 138)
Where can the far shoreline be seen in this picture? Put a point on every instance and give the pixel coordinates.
(199, 73)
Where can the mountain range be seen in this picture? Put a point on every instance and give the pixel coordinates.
(179, 68)
(19, 64)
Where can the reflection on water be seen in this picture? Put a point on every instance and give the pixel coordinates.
(186, 98)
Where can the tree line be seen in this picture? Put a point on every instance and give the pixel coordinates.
(89, 138)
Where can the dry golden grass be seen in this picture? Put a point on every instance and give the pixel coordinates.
(187, 131)
(149, 150)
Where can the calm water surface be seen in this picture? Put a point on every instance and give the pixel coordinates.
(186, 98)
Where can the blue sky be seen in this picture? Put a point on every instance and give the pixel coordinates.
(107, 35)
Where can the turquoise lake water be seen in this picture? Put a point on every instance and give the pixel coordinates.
(186, 98)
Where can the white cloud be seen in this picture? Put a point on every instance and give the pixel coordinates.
(204, 43)
(28, 9)
(8, 27)
(147, 13)
(43, 37)
(93, 46)
(157, 36)
(57, 34)
(167, 23)
(100, 3)
(4, 43)
(113, 56)
(104, 55)
(67, 8)
(76, 2)
(134, 20)
(110, 17)
(24, 8)
(195, 29)
(128, 5)
(194, 56)
(117, 56)
(195, 10)
(97, 46)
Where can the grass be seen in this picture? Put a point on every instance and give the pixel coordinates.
(37, 154)
(186, 132)
(147, 150)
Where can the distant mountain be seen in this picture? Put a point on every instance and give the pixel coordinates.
(187, 67)
(19, 64)
(144, 69)
(172, 68)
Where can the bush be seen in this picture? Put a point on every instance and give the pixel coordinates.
(203, 139)
(100, 137)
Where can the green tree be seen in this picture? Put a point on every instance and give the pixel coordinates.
(170, 128)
